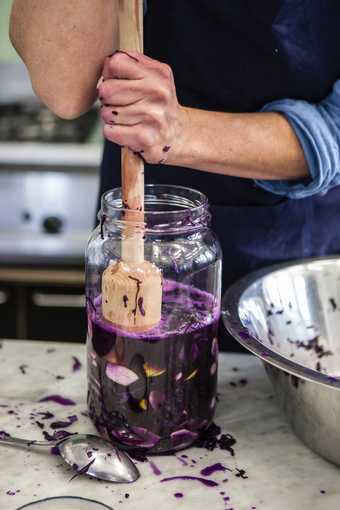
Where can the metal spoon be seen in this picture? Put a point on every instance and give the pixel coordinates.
(90, 455)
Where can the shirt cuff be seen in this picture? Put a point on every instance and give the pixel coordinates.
(315, 129)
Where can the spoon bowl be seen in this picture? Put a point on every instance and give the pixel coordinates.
(87, 454)
(99, 457)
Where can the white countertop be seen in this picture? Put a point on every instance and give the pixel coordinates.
(282, 473)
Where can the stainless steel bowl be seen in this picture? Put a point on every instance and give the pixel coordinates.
(289, 316)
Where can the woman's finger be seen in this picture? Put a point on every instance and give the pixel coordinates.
(123, 65)
(120, 92)
(126, 116)
(138, 138)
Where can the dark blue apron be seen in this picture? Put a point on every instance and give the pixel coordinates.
(235, 56)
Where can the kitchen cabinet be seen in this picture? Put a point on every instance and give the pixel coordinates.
(42, 304)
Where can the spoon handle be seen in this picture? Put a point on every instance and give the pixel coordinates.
(25, 442)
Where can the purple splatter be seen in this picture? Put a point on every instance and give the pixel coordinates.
(204, 481)
(214, 468)
(155, 469)
(58, 399)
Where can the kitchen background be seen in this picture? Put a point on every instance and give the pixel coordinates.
(48, 200)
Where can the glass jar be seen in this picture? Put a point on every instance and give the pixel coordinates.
(156, 390)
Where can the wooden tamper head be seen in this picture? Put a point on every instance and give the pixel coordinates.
(132, 295)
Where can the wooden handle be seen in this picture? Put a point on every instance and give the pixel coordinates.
(131, 39)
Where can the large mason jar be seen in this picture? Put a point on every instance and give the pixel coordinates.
(156, 390)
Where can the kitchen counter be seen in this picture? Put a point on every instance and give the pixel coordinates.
(271, 469)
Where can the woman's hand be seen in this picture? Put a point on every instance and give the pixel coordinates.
(140, 109)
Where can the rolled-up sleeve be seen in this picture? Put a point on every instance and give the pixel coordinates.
(317, 127)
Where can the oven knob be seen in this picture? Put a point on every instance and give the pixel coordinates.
(52, 225)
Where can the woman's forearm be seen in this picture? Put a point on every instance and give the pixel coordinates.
(63, 44)
(254, 145)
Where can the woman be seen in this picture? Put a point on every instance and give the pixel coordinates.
(245, 109)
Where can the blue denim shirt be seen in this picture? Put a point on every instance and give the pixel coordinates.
(317, 126)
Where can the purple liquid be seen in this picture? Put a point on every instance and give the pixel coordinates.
(156, 390)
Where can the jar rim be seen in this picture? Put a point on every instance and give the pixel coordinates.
(200, 202)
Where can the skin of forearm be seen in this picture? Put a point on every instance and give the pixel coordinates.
(249, 145)
(63, 44)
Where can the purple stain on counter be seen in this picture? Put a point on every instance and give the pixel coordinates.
(214, 468)
(204, 481)
(178, 495)
(182, 461)
(155, 469)
(64, 424)
(76, 364)
(58, 399)
(40, 425)
(322, 491)
(22, 369)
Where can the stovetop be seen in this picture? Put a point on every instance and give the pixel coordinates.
(46, 214)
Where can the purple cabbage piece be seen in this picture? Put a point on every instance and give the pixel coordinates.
(46, 416)
(58, 435)
(214, 348)
(137, 436)
(214, 468)
(103, 341)
(58, 399)
(76, 364)
(181, 354)
(194, 351)
(64, 424)
(120, 374)
(4, 435)
(156, 399)
(213, 368)
(179, 376)
(182, 437)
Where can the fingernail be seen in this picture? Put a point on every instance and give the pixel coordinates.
(128, 54)
(99, 82)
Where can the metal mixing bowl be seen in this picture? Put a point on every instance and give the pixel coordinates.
(289, 316)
